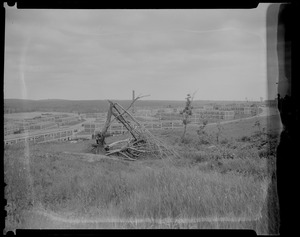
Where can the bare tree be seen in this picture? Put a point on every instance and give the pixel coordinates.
(187, 113)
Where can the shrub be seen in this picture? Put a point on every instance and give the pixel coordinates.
(245, 139)
(187, 140)
(224, 141)
(262, 153)
(203, 141)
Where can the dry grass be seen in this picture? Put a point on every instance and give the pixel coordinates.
(205, 188)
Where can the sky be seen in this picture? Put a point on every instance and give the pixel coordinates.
(105, 54)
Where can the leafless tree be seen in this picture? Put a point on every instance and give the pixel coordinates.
(187, 113)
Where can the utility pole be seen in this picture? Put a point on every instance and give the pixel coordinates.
(133, 98)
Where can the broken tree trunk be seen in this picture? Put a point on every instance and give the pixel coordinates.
(140, 144)
(121, 119)
(103, 133)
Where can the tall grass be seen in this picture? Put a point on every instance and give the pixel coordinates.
(18, 187)
(169, 192)
(188, 193)
(134, 193)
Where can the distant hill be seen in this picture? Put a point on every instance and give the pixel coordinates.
(89, 106)
(81, 106)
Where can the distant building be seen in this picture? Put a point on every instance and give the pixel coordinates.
(43, 125)
(92, 115)
(40, 137)
(271, 103)
(208, 107)
(144, 112)
(10, 129)
(199, 114)
(61, 121)
(247, 110)
(100, 120)
(91, 127)
(240, 109)
(9, 110)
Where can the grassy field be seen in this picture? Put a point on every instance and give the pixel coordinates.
(220, 180)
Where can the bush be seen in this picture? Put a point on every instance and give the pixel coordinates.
(263, 153)
(187, 140)
(224, 141)
(245, 139)
(203, 141)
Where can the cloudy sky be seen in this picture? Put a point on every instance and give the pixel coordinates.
(105, 54)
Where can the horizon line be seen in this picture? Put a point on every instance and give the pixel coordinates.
(242, 100)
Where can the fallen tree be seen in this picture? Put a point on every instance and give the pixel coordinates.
(141, 142)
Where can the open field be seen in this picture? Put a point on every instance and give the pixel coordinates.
(220, 180)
